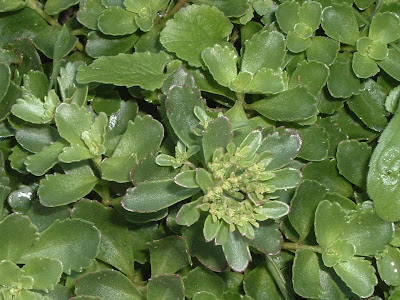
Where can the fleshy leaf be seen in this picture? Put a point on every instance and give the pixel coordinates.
(339, 23)
(385, 27)
(283, 143)
(165, 287)
(107, 284)
(264, 50)
(201, 279)
(217, 134)
(364, 66)
(354, 170)
(74, 242)
(267, 237)
(315, 143)
(383, 180)
(304, 204)
(138, 69)
(5, 79)
(53, 7)
(17, 234)
(126, 21)
(161, 252)
(237, 251)
(260, 284)
(358, 274)
(221, 62)
(323, 49)
(180, 104)
(342, 83)
(391, 64)
(10, 273)
(306, 281)
(153, 196)
(115, 248)
(282, 106)
(46, 272)
(192, 30)
(186, 179)
(60, 189)
(388, 264)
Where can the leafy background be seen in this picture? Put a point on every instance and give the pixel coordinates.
(205, 149)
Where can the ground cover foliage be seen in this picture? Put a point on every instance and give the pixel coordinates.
(204, 149)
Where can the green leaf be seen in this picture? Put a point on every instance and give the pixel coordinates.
(14, 92)
(73, 187)
(218, 134)
(208, 254)
(118, 124)
(265, 49)
(391, 64)
(204, 296)
(388, 264)
(385, 27)
(165, 287)
(53, 7)
(365, 219)
(283, 143)
(267, 237)
(326, 173)
(17, 234)
(363, 66)
(369, 106)
(115, 247)
(168, 255)
(352, 161)
(180, 104)
(11, 26)
(192, 30)
(311, 75)
(10, 273)
(42, 217)
(303, 205)
(141, 137)
(138, 69)
(342, 83)
(201, 279)
(392, 100)
(5, 80)
(363, 4)
(235, 8)
(339, 23)
(285, 178)
(266, 81)
(383, 180)
(330, 223)
(153, 196)
(64, 44)
(72, 121)
(32, 109)
(11, 5)
(88, 13)
(39, 163)
(323, 49)
(186, 179)
(221, 61)
(315, 143)
(126, 21)
(281, 107)
(296, 43)
(358, 274)
(20, 199)
(306, 278)
(286, 15)
(189, 213)
(35, 138)
(46, 272)
(259, 284)
(211, 228)
(99, 44)
(107, 284)
(74, 242)
(237, 252)
(310, 14)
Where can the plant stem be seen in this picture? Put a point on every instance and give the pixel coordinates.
(234, 36)
(378, 5)
(296, 246)
(33, 4)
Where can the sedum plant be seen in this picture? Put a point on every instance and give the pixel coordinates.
(203, 149)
